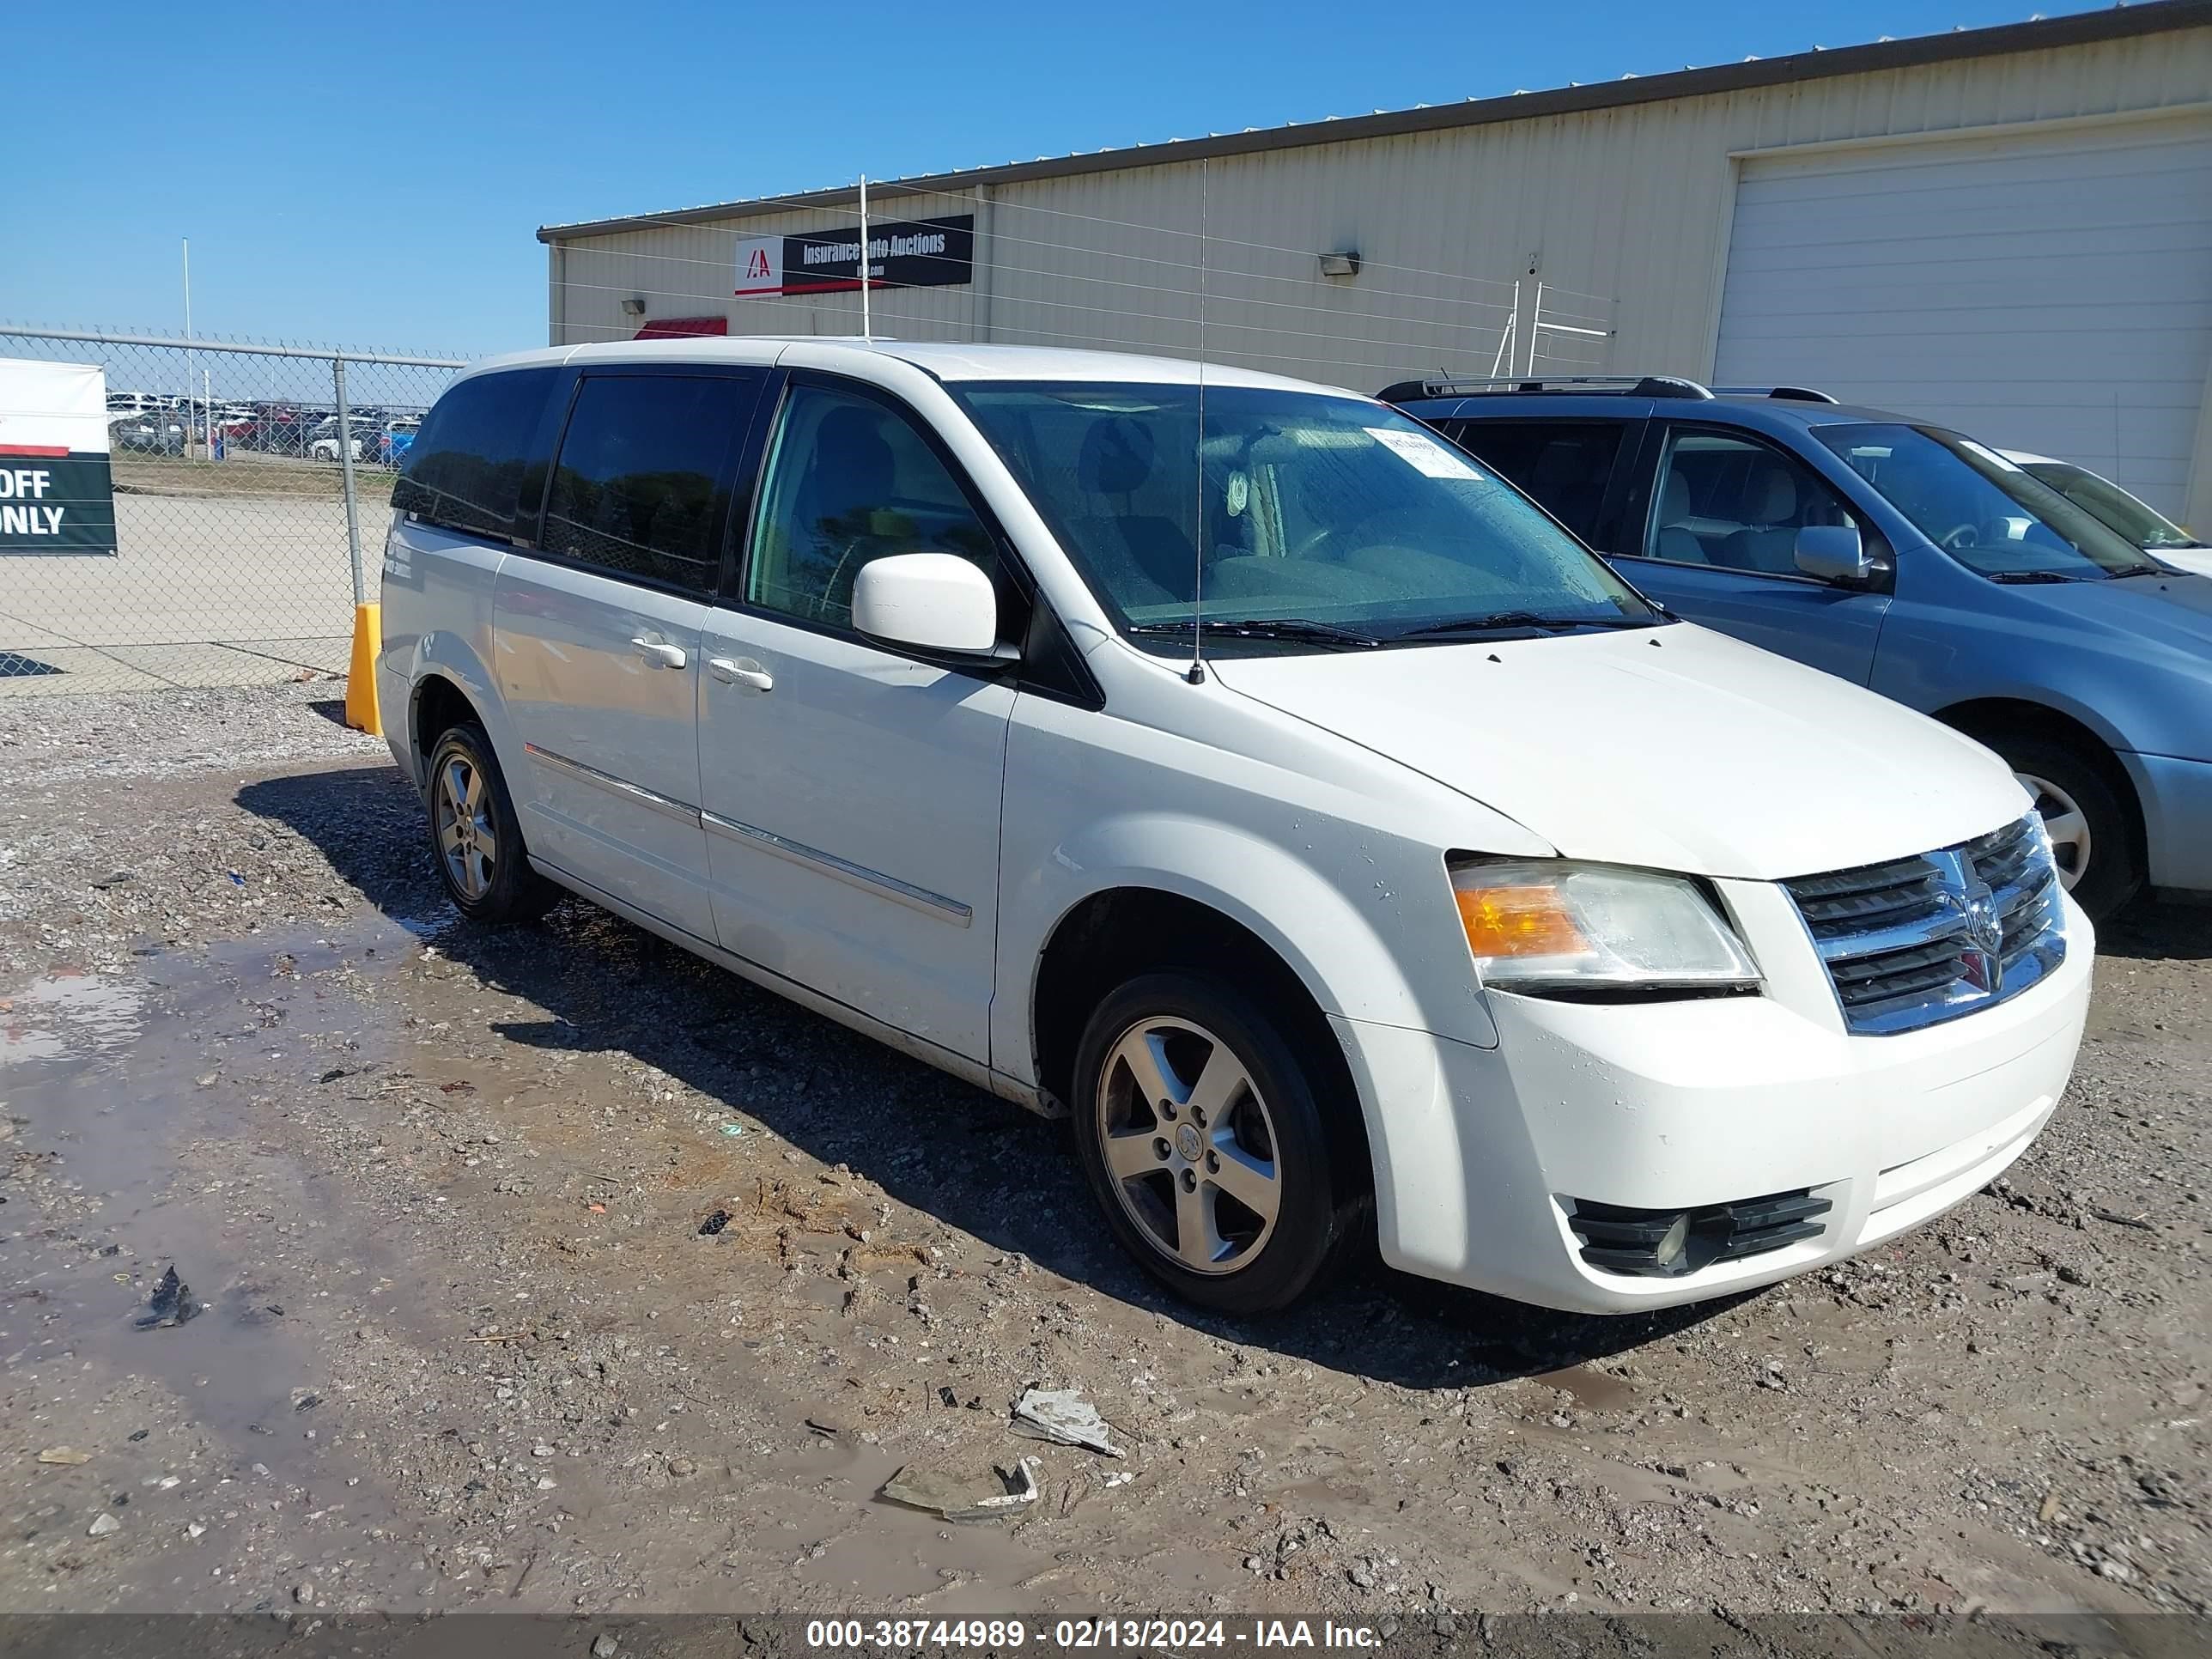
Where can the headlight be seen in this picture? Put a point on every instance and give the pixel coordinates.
(1547, 924)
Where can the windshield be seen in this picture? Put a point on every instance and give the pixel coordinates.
(1333, 513)
(1979, 507)
(2133, 518)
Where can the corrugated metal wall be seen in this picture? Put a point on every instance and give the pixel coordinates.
(1623, 212)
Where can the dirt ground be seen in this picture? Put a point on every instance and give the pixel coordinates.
(462, 1341)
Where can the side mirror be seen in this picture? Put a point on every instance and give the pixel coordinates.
(931, 601)
(1834, 553)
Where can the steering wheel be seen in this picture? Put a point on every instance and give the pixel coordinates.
(1959, 537)
(1311, 545)
(1385, 526)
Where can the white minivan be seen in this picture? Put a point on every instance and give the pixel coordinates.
(1233, 766)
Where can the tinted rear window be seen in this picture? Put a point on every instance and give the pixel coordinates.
(1564, 464)
(640, 488)
(465, 465)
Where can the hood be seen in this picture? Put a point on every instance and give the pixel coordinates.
(2174, 611)
(1672, 748)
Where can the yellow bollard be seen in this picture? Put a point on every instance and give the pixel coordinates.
(361, 712)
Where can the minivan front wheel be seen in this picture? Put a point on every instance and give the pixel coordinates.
(475, 836)
(1197, 1122)
(2091, 839)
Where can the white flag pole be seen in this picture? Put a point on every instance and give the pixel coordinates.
(867, 331)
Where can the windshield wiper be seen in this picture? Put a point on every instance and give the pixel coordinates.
(2145, 569)
(2022, 577)
(1504, 621)
(1260, 628)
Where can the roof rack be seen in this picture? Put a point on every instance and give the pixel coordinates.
(1801, 394)
(1625, 386)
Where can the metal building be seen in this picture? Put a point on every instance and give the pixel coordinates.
(2008, 230)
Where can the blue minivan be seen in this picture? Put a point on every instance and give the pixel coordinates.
(1911, 559)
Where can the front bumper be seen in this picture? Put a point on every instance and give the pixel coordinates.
(1479, 1152)
(2176, 796)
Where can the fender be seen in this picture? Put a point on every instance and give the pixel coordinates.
(2030, 694)
(1333, 942)
(1327, 852)
(448, 656)
(2134, 695)
(2041, 698)
(438, 597)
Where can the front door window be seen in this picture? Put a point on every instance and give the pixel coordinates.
(848, 481)
(1737, 504)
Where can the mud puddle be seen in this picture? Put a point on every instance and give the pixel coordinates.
(321, 1129)
(112, 1091)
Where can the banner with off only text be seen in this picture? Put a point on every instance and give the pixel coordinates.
(56, 494)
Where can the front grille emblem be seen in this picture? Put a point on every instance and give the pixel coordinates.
(1911, 941)
(1966, 895)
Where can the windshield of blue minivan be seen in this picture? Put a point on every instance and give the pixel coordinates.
(1979, 507)
(1324, 521)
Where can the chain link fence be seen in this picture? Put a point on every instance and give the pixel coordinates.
(251, 488)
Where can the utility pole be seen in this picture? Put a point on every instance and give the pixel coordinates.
(189, 355)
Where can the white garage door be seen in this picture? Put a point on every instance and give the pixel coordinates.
(2052, 294)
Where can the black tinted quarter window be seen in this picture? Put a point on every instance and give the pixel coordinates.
(1564, 466)
(641, 487)
(465, 465)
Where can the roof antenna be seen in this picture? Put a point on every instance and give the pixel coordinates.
(867, 332)
(1196, 673)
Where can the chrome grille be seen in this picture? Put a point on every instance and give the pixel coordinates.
(1911, 941)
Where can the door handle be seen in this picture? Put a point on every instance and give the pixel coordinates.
(741, 671)
(658, 654)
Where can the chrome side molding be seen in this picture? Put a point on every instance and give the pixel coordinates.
(873, 881)
(683, 810)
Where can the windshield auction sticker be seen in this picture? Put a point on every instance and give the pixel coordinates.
(1424, 455)
(56, 494)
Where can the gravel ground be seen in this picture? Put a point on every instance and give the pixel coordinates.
(462, 1338)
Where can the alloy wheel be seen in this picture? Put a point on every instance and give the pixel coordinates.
(1188, 1145)
(466, 838)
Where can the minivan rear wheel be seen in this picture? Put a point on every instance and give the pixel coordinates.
(2092, 832)
(476, 839)
(1197, 1122)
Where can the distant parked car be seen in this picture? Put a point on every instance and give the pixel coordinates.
(323, 440)
(393, 443)
(153, 434)
(278, 429)
(1901, 556)
(2140, 522)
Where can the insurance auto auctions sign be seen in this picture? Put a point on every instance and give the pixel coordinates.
(56, 495)
(907, 253)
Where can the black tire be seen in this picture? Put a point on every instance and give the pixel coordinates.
(501, 886)
(1317, 1210)
(2112, 872)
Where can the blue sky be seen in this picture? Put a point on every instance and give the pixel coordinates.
(372, 174)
